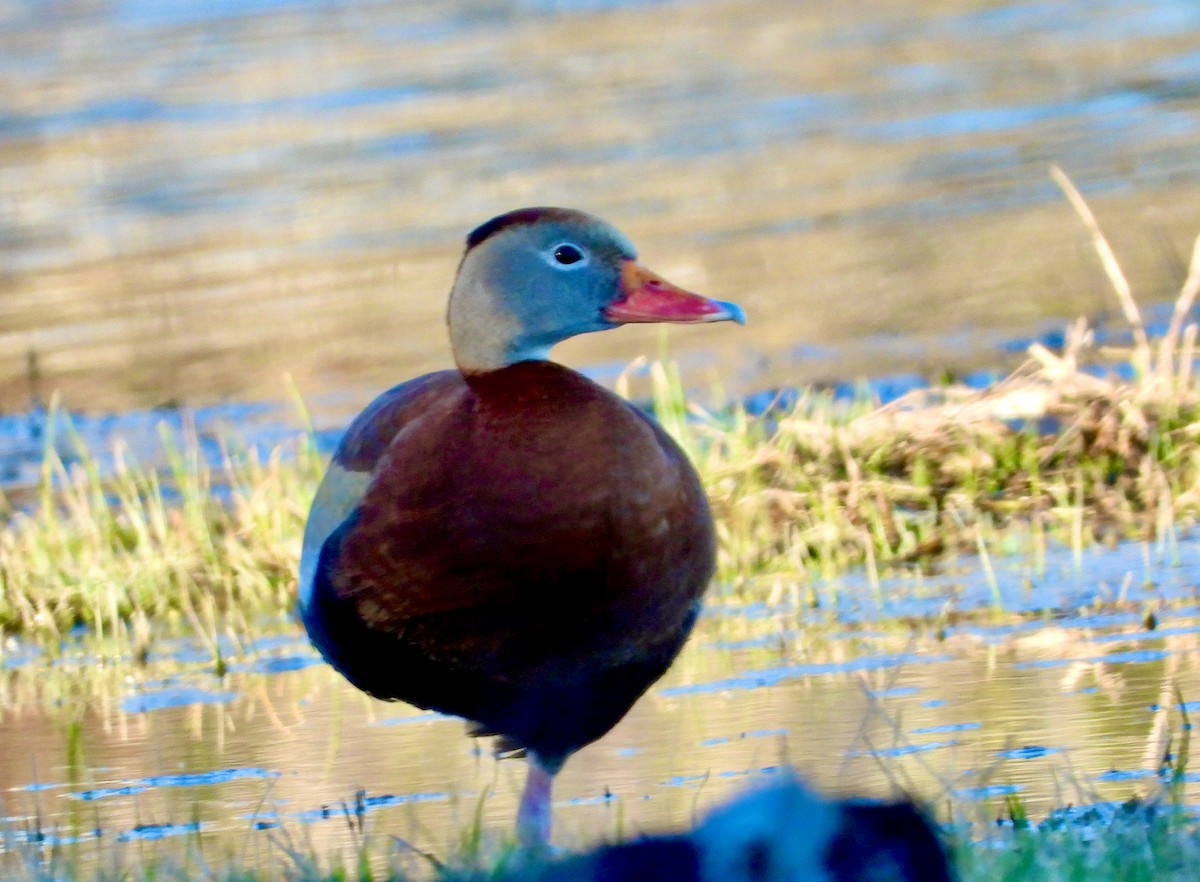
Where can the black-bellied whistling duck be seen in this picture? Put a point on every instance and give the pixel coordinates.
(509, 542)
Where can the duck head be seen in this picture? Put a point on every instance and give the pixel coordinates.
(536, 276)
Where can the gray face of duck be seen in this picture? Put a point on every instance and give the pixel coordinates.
(534, 277)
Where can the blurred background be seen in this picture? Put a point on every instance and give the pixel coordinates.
(198, 197)
(202, 198)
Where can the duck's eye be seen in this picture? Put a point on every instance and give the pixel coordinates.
(567, 254)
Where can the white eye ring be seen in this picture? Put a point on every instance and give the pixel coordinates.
(566, 256)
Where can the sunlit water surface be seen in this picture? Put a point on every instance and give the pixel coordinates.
(1078, 706)
(198, 197)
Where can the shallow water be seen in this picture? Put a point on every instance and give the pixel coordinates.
(196, 197)
(1077, 706)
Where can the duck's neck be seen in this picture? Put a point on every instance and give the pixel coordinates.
(483, 334)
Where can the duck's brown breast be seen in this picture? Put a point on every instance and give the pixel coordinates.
(526, 517)
(521, 548)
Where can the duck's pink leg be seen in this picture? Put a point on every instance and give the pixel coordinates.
(533, 816)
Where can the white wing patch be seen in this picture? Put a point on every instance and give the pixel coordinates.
(340, 492)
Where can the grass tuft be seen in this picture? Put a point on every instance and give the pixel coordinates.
(799, 495)
(207, 546)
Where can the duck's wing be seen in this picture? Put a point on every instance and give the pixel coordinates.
(358, 454)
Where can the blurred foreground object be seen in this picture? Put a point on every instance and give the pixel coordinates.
(776, 832)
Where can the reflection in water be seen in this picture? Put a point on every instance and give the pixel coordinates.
(196, 197)
(1061, 709)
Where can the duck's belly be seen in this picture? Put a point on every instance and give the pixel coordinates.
(542, 676)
